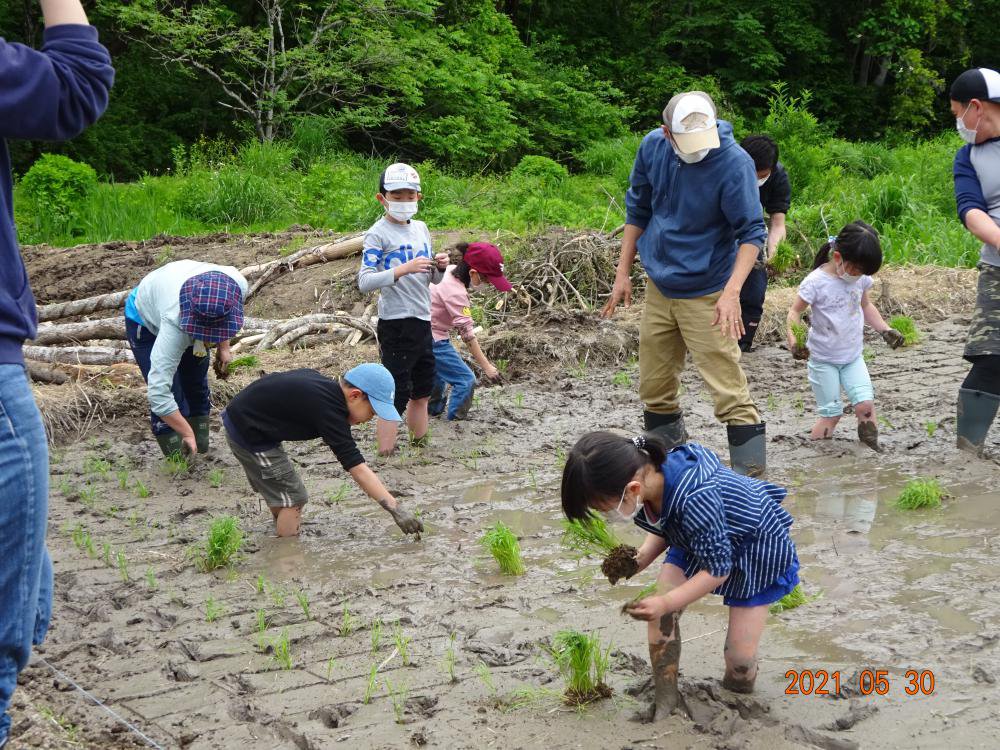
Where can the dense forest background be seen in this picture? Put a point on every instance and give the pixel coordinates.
(476, 85)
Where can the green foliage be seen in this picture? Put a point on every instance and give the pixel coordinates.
(795, 598)
(216, 477)
(582, 662)
(176, 464)
(213, 609)
(56, 188)
(450, 658)
(920, 493)
(303, 599)
(547, 172)
(590, 537)
(906, 326)
(141, 490)
(397, 694)
(346, 622)
(801, 333)
(222, 545)
(402, 643)
(500, 541)
(785, 258)
(931, 427)
(282, 650)
(370, 686)
(376, 635)
(248, 362)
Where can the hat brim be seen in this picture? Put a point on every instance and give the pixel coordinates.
(214, 332)
(689, 143)
(385, 410)
(501, 283)
(390, 186)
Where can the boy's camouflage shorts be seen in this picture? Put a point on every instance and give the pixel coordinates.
(984, 333)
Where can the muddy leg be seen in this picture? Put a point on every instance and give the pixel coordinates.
(867, 425)
(823, 429)
(665, 650)
(746, 624)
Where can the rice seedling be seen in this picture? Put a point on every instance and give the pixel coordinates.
(88, 496)
(794, 598)
(261, 629)
(397, 694)
(151, 582)
(622, 379)
(519, 400)
(370, 687)
(502, 544)
(282, 650)
(65, 487)
(303, 599)
(592, 536)
(122, 564)
(921, 493)
(772, 402)
(176, 464)
(261, 584)
(123, 477)
(244, 363)
(482, 671)
(533, 480)
(335, 497)
(450, 658)
(278, 596)
(502, 366)
(579, 370)
(402, 643)
(330, 664)
(868, 355)
(223, 542)
(216, 477)
(906, 326)
(213, 609)
(931, 427)
(801, 334)
(141, 490)
(346, 622)
(799, 405)
(106, 548)
(95, 466)
(885, 423)
(88, 545)
(583, 664)
(560, 457)
(376, 634)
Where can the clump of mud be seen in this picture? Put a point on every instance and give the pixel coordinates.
(578, 698)
(620, 563)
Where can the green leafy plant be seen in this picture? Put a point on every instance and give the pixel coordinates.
(921, 493)
(623, 379)
(330, 664)
(346, 622)
(106, 553)
(397, 694)
(122, 564)
(303, 599)
(248, 362)
(376, 634)
(278, 596)
(282, 650)
(261, 584)
(261, 626)
(335, 497)
(519, 400)
(801, 333)
(216, 477)
(222, 545)
(123, 477)
(784, 258)
(931, 427)
(794, 598)
(65, 487)
(772, 402)
(370, 687)
(141, 490)
(906, 326)
(482, 671)
(151, 582)
(88, 496)
(583, 663)
(868, 355)
(592, 536)
(402, 643)
(502, 544)
(450, 658)
(213, 609)
(176, 464)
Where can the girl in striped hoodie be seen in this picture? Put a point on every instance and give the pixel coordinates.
(723, 533)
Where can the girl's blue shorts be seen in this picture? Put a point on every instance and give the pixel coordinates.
(781, 587)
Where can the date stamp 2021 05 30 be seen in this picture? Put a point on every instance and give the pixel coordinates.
(866, 682)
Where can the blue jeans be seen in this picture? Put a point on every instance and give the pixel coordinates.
(450, 369)
(827, 380)
(190, 387)
(25, 567)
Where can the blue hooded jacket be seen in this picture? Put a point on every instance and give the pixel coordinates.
(694, 216)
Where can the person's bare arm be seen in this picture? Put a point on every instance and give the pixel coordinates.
(622, 289)
(777, 232)
(654, 607)
(728, 315)
(982, 226)
(652, 547)
(873, 317)
(372, 486)
(61, 12)
(180, 425)
(795, 318)
(482, 360)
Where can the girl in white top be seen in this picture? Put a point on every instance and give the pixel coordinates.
(837, 292)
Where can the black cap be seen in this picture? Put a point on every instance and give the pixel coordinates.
(978, 83)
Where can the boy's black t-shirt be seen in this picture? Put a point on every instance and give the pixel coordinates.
(295, 405)
(776, 193)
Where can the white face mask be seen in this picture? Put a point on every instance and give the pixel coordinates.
(616, 515)
(844, 276)
(694, 158)
(968, 135)
(401, 210)
(762, 180)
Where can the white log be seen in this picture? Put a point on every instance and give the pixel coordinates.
(318, 318)
(58, 310)
(68, 333)
(78, 355)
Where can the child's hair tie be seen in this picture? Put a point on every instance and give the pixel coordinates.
(639, 441)
(832, 240)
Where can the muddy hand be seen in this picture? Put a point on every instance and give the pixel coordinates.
(406, 521)
(650, 608)
(893, 338)
(800, 352)
(221, 368)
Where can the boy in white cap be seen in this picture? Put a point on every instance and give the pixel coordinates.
(398, 261)
(304, 405)
(694, 216)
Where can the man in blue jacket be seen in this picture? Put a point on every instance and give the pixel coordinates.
(975, 102)
(694, 216)
(48, 94)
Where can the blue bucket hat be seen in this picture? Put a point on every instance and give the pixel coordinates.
(211, 307)
(378, 385)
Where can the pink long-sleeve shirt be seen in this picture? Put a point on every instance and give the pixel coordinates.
(450, 308)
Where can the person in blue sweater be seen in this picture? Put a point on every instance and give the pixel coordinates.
(723, 533)
(975, 102)
(47, 94)
(694, 217)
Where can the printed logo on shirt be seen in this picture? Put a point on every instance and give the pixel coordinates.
(375, 258)
(467, 312)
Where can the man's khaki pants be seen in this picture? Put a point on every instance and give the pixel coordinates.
(671, 328)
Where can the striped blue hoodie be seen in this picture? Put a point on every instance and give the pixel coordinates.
(726, 523)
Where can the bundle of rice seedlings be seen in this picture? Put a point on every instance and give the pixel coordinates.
(920, 493)
(502, 544)
(583, 663)
(906, 326)
(795, 598)
(589, 537)
(801, 333)
(645, 592)
(222, 544)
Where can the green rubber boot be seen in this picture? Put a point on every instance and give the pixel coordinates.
(976, 412)
(747, 449)
(669, 427)
(170, 443)
(201, 425)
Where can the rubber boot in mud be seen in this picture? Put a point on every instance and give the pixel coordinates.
(746, 340)
(868, 434)
(201, 425)
(670, 427)
(747, 449)
(665, 657)
(170, 443)
(976, 412)
(438, 400)
(462, 412)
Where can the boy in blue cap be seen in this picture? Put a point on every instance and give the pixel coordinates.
(304, 405)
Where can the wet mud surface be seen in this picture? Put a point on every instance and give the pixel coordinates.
(179, 653)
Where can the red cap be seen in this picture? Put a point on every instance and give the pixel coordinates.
(486, 259)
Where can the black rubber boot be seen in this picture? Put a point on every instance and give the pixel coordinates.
(747, 449)
(170, 443)
(201, 426)
(750, 325)
(463, 409)
(438, 401)
(670, 427)
(976, 411)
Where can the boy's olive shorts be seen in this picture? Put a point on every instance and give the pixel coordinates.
(272, 474)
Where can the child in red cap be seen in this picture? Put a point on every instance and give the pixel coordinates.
(481, 263)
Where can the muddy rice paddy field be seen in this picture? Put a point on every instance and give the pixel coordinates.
(458, 659)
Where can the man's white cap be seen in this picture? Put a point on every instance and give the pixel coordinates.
(690, 118)
(400, 176)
